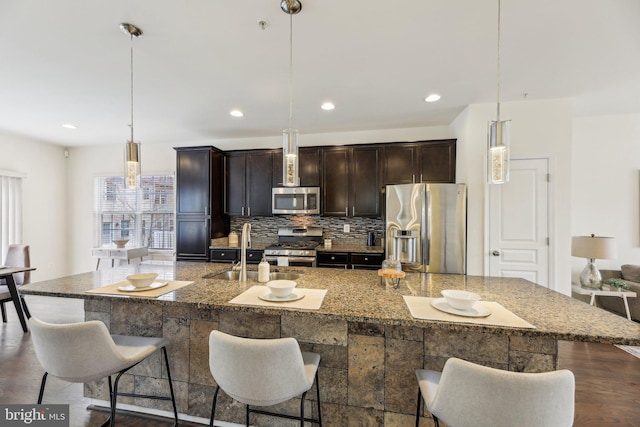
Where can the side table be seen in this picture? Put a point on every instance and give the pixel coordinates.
(599, 292)
(119, 253)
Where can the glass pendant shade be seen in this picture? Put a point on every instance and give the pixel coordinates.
(498, 154)
(290, 177)
(132, 164)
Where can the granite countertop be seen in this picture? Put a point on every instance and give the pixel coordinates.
(351, 248)
(358, 296)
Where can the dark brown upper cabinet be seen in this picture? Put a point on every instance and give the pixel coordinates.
(249, 176)
(309, 167)
(351, 181)
(424, 161)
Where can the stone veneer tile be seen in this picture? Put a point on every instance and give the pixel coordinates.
(392, 419)
(473, 346)
(315, 330)
(402, 358)
(349, 416)
(533, 345)
(204, 314)
(151, 366)
(228, 409)
(333, 386)
(331, 356)
(366, 371)
(100, 389)
(405, 333)
(199, 371)
(200, 400)
(180, 311)
(129, 318)
(367, 329)
(178, 353)
(176, 329)
(250, 325)
(520, 361)
(290, 407)
(98, 315)
(97, 305)
(160, 387)
(435, 363)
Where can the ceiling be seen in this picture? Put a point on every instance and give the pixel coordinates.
(66, 61)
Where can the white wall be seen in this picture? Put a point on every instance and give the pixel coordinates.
(605, 189)
(538, 129)
(44, 201)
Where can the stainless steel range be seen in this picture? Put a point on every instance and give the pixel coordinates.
(296, 246)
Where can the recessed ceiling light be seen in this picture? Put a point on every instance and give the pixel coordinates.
(432, 98)
(328, 106)
(236, 113)
(69, 126)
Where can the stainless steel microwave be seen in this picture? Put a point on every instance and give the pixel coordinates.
(296, 200)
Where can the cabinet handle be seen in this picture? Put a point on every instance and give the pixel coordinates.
(421, 178)
(366, 259)
(353, 211)
(413, 178)
(222, 254)
(333, 258)
(346, 211)
(243, 211)
(249, 211)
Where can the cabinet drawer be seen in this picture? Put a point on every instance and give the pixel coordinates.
(253, 256)
(366, 259)
(224, 255)
(333, 258)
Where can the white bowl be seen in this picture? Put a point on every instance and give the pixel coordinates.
(142, 280)
(281, 288)
(460, 300)
(120, 243)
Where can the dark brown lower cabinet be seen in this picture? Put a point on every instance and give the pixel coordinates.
(353, 260)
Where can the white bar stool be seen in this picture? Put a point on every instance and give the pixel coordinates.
(262, 372)
(83, 352)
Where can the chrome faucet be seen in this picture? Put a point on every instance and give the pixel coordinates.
(246, 241)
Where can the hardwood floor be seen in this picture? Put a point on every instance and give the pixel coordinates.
(607, 378)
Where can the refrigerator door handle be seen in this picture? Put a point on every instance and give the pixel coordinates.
(426, 234)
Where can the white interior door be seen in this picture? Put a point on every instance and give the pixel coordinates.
(519, 223)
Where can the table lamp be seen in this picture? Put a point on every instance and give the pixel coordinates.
(592, 248)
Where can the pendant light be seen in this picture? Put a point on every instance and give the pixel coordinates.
(498, 136)
(132, 148)
(290, 177)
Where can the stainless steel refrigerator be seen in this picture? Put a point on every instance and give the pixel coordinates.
(426, 227)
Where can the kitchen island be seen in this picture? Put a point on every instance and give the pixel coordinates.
(369, 343)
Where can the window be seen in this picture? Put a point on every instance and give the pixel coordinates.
(10, 210)
(144, 216)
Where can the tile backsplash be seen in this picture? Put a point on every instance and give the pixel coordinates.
(265, 229)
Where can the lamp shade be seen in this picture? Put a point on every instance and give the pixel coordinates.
(594, 247)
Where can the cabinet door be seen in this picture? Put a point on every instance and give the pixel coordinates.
(365, 182)
(258, 186)
(437, 161)
(192, 238)
(335, 181)
(192, 186)
(399, 164)
(309, 167)
(235, 184)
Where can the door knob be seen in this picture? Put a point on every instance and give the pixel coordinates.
(495, 253)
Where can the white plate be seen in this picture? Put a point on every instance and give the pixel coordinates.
(152, 286)
(291, 297)
(477, 311)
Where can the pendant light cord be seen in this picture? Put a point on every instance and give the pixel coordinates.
(498, 66)
(290, 68)
(131, 125)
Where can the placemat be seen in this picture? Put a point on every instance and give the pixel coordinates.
(312, 298)
(113, 289)
(420, 308)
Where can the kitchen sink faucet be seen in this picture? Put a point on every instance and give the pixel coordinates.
(246, 242)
